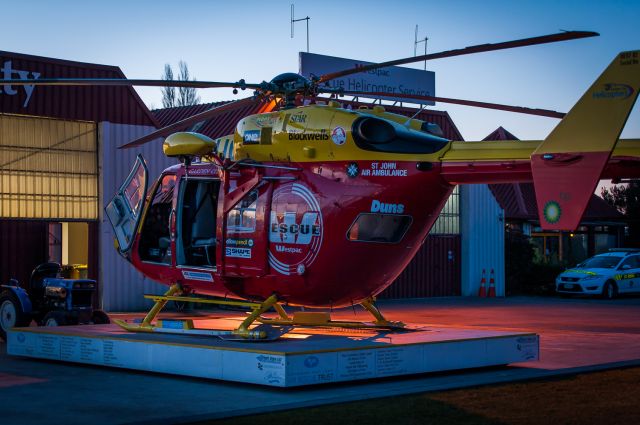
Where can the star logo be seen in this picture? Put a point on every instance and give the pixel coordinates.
(353, 170)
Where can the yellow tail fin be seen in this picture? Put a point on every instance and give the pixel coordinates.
(566, 167)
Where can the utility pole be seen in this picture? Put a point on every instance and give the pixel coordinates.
(415, 46)
(294, 20)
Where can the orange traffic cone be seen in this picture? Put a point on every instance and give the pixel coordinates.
(483, 285)
(492, 285)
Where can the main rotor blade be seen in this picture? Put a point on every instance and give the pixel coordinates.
(498, 106)
(126, 82)
(552, 38)
(187, 122)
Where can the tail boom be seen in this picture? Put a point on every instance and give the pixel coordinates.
(509, 161)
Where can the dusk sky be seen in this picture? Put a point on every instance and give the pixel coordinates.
(226, 41)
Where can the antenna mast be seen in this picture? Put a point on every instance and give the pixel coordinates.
(294, 20)
(415, 45)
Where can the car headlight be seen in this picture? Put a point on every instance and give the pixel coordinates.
(592, 277)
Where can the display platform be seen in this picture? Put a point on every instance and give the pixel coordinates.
(301, 357)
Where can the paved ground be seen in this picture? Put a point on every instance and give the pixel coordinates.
(576, 335)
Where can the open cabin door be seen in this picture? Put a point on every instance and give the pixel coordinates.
(246, 232)
(125, 208)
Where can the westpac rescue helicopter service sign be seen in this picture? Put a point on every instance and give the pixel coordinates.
(393, 79)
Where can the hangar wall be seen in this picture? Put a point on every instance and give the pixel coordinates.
(482, 230)
(48, 169)
(122, 285)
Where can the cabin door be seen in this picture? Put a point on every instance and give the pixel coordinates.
(124, 210)
(246, 233)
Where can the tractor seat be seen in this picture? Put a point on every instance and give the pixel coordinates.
(42, 271)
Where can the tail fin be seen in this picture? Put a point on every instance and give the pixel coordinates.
(568, 164)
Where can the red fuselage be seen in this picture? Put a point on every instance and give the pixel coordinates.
(321, 239)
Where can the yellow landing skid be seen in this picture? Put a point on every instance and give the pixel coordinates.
(323, 319)
(244, 332)
(185, 327)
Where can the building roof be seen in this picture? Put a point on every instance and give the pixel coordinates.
(225, 124)
(500, 134)
(519, 199)
(120, 105)
(222, 125)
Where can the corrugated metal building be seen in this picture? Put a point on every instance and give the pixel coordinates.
(59, 166)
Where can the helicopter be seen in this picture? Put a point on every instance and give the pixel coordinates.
(320, 206)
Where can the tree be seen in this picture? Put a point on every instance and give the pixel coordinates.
(185, 96)
(168, 93)
(626, 199)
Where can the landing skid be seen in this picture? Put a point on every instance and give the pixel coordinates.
(184, 327)
(270, 329)
(323, 319)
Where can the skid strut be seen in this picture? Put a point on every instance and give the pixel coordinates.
(244, 331)
(323, 319)
(161, 301)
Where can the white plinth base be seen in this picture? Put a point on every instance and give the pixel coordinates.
(301, 358)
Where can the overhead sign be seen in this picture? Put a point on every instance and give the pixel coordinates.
(7, 72)
(393, 79)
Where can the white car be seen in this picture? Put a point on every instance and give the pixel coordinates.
(615, 272)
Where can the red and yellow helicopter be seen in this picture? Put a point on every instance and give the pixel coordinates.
(321, 206)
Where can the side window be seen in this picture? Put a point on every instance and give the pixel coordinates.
(154, 238)
(633, 262)
(381, 228)
(242, 218)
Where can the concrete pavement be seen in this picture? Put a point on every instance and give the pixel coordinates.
(576, 335)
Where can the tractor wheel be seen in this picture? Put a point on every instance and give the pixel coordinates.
(99, 317)
(55, 318)
(11, 313)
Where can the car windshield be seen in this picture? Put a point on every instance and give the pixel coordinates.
(604, 262)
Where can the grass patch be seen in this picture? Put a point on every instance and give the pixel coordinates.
(609, 397)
